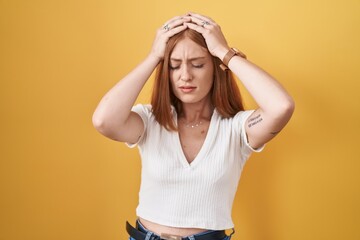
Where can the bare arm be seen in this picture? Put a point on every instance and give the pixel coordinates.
(275, 104)
(113, 116)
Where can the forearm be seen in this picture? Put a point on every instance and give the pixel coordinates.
(268, 93)
(115, 107)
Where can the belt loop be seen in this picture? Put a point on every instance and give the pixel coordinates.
(233, 231)
(148, 235)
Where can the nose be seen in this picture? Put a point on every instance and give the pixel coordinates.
(185, 74)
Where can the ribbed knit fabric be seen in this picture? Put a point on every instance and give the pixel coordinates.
(197, 195)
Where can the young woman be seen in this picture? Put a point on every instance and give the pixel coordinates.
(195, 136)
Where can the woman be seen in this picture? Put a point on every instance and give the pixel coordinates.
(195, 136)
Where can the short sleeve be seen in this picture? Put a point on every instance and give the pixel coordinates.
(240, 121)
(144, 111)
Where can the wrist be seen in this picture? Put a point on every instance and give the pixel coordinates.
(152, 57)
(222, 52)
(232, 52)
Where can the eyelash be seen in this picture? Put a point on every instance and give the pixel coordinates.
(195, 66)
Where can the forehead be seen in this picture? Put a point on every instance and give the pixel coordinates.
(186, 48)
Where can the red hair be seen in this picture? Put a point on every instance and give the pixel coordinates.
(224, 94)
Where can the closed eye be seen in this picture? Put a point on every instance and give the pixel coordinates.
(174, 67)
(194, 65)
(198, 65)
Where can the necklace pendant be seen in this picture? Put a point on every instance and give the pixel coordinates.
(193, 125)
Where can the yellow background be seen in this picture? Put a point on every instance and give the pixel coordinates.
(60, 179)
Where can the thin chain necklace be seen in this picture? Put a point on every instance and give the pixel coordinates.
(192, 125)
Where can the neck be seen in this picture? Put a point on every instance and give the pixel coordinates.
(195, 112)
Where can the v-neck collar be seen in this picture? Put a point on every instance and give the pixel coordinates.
(205, 146)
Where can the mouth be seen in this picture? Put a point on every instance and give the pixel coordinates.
(187, 89)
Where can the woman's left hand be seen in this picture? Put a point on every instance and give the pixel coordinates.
(212, 33)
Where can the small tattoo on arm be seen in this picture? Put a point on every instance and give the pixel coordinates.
(254, 120)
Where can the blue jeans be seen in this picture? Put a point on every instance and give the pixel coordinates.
(150, 234)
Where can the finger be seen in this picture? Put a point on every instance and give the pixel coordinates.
(200, 22)
(174, 22)
(176, 30)
(172, 19)
(179, 22)
(196, 27)
(176, 19)
(202, 17)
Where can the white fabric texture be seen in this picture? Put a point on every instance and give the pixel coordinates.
(196, 195)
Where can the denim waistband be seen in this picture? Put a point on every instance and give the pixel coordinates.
(141, 227)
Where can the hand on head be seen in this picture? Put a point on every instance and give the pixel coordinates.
(169, 29)
(209, 29)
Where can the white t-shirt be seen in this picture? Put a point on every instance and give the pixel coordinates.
(199, 194)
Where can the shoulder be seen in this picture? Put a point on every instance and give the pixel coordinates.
(244, 113)
(235, 124)
(142, 107)
(144, 110)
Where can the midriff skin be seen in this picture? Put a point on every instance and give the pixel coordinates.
(158, 229)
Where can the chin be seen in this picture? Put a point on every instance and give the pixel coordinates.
(190, 99)
(187, 100)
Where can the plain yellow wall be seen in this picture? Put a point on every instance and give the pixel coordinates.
(60, 179)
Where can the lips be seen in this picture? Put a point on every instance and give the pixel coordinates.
(187, 89)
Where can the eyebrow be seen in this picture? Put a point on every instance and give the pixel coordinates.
(190, 59)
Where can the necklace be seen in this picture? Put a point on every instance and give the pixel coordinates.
(194, 125)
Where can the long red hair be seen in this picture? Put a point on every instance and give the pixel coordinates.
(225, 94)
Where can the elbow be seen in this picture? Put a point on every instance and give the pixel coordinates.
(98, 123)
(101, 123)
(283, 109)
(106, 127)
(287, 108)
(102, 126)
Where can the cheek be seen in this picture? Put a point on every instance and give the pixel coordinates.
(172, 84)
(171, 80)
(209, 79)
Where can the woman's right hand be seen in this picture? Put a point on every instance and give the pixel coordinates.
(169, 29)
